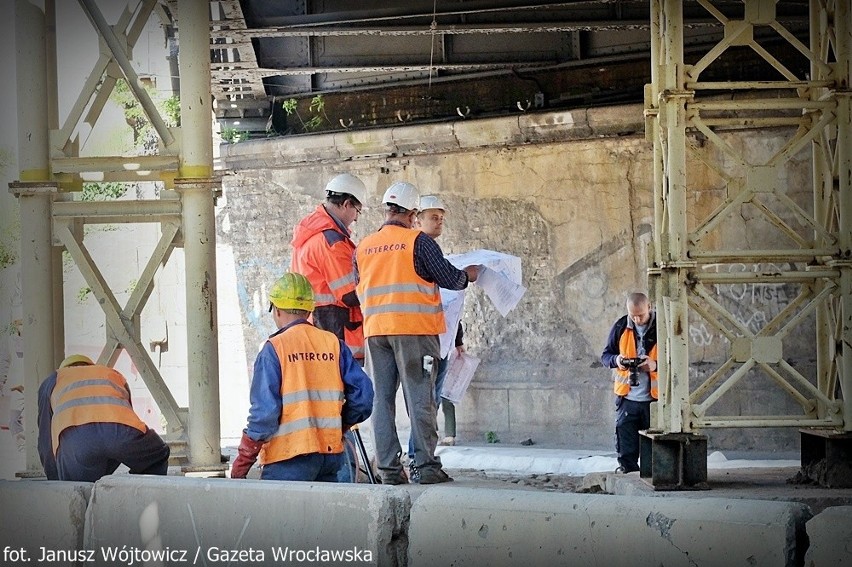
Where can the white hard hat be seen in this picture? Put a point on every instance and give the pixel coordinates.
(349, 184)
(403, 195)
(431, 202)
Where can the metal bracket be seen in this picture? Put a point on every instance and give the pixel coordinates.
(673, 461)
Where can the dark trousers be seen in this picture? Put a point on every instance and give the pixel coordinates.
(630, 418)
(91, 451)
(319, 467)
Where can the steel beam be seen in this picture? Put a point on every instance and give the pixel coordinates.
(688, 265)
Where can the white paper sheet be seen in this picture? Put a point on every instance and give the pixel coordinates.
(504, 293)
(460, 371)
(453, 304)
(501, 278)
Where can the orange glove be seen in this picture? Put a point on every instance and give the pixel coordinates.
(248, 451)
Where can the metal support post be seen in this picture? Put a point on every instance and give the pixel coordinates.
(673, 461)
(198, 192)
(37, 278)
(34, 192)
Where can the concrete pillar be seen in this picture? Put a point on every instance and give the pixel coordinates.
(198, 190)
(34, 192)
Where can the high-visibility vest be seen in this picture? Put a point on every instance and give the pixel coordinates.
(90, 394)
(627, 349)
(394, 299)
(323, 252)
(311, 395)
(326, 260)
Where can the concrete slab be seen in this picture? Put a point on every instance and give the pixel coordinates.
(452, 526)
(39, 515)
(830, 534)
(247, 521)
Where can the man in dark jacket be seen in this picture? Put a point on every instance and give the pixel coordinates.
(631, 349)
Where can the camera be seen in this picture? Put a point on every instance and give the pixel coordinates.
(632, 364)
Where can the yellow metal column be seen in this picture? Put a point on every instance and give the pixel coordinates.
(198, 191)
(35, 192)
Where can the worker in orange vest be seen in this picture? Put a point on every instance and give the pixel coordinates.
(400, 271)
(631, 349)
(87, 426)
(306, 391)
(323, 252)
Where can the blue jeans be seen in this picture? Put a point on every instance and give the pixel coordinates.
(349, 467)
(443, 366)
(318, 467)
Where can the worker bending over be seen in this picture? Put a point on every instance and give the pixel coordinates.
(87, 426)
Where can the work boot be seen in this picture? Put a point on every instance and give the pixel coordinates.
(413, 473)
(434, 476)
(393, 477)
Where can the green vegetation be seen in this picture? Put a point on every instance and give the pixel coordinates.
(83, 294)
(103, 191)
(143, 133)
(317, 109)
(491, 437)
(232, 135)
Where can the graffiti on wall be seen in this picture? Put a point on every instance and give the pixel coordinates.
(752, 305)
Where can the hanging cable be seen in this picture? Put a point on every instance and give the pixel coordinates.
(434, 27)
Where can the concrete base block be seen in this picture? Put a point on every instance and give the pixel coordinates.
(493, 528)
(42, 514)
(226, 521)
(830, 534)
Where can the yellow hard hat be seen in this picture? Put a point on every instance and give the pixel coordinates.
(76, 360)
(292, 291)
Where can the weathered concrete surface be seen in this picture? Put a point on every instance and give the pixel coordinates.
(211, 516)
(761, 483)
(42, 514)
(501, 527)
(568, 192)
(830, 534)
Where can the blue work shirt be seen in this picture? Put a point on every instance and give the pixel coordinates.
(265, 393)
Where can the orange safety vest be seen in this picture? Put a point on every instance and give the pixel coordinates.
(311, 395)
(394, 299)
(627, 349)
(90, 394)
(327, 266)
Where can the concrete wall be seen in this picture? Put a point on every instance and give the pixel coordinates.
(129, 520)
(570, 193)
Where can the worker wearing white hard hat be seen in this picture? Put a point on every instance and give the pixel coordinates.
(400, 271)
(323, 251)
(430, 215)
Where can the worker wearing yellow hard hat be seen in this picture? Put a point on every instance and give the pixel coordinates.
(306, 390)
(87, 426)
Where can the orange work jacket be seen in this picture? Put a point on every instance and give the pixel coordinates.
(323, 252)
(394, 299)
(311, 395)
(627, 349)
(90, 394)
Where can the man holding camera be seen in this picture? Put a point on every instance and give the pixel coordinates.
(632, 350)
